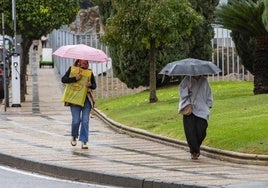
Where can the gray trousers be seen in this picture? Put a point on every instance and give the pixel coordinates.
(195, 131)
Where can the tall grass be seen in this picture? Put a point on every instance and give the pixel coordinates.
(239, 119)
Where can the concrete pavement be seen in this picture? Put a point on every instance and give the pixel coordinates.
(36, 137)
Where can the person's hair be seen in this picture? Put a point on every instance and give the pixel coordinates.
(76, 62)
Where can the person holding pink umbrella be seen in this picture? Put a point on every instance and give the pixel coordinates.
(79, 80)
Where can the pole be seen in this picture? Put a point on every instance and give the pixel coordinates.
(6, 95)
(14, 24)
(15, 60)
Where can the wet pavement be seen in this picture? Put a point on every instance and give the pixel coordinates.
(36, 137)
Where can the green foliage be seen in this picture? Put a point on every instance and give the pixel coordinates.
(197, 44)
(132, 66)
(245, 48)
(245, 20)
(265, 14)
(106, 9)
(37, 18)
(242, 16)
(238, 118)
(139, 25)
(163, 21)
(84, 4)
(200, 41)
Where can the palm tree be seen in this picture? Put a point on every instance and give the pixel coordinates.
(244, 19)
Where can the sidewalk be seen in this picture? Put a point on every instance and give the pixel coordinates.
(36, 137)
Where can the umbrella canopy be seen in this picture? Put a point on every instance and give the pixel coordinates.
(81, 51)
(191, 67)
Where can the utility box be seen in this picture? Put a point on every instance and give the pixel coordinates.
(46, 58)
(15, 67)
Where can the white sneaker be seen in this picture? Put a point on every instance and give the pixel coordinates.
(84, 145)
(73, 141)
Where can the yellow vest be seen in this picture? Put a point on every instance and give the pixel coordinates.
(75, 93)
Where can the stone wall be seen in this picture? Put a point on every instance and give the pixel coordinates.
(87, 21)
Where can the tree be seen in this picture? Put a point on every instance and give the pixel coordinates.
(84, 4)
(200, 40)
(132, 66)
(265, 14)
(244, 19)
(34, 19)
(145, 24)
(105, 9)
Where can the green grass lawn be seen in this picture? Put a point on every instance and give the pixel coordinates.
(239, 119)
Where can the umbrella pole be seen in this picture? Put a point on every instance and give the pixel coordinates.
(190, 88)
(163, 78)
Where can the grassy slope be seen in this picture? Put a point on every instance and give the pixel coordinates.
(239, 119)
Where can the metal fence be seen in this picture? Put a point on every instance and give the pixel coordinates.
(108, 85)
(224, 56)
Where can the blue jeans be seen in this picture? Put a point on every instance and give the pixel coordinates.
(80, 115)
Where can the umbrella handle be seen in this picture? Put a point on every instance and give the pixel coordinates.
(189, 85)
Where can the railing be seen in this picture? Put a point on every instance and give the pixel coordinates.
(107, 84)
(224, 56)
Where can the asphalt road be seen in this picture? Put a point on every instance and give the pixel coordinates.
(13, 178)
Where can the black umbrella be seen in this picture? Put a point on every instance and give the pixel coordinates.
(191, 67)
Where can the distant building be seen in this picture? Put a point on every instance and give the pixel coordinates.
(222, 36)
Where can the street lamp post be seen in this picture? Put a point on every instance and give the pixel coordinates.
(14, 24)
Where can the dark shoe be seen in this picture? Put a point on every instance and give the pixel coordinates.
(195, 156)
(73, 141)
(84, 145)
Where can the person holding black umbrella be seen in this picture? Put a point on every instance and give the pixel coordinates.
(196, 91)
(195, 98)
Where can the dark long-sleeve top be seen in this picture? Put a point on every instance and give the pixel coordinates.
(66, 79)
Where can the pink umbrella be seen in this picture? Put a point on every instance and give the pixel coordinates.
(81, 51)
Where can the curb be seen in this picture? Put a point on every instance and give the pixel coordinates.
(87, 176)
(230, 156)
(69, 173)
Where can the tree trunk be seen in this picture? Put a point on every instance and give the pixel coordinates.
(153, 97)
(25, 45)
(260, 66)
